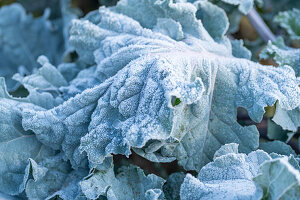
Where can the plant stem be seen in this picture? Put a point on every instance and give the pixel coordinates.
(260, 26)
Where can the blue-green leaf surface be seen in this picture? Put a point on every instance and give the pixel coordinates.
(43, 86)
(228, 177)
(289, 20)
(22, 40)
(277, 147)
(129, 183)
(279, 180)
(45, 177)
(171, 188)
(16, 144)
(283, 55)
(139, 72)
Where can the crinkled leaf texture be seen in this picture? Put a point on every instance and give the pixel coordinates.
(22, 40)
(283, 55)
(279, 180)
(229, 176)
(289, 20)
(43, 86)
(153, 76)
(239, 176)
(52, 178)
(140, 73)
(29, 168)
(129, 183)
(16, 144)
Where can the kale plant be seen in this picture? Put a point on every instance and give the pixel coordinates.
(147, 100)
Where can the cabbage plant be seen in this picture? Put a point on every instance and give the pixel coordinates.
(142, 99)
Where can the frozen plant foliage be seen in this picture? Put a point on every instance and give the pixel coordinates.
(132, 103)
(157, 78)
(289, 21)
(22, 37)
(240, 176)
(283, 55)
